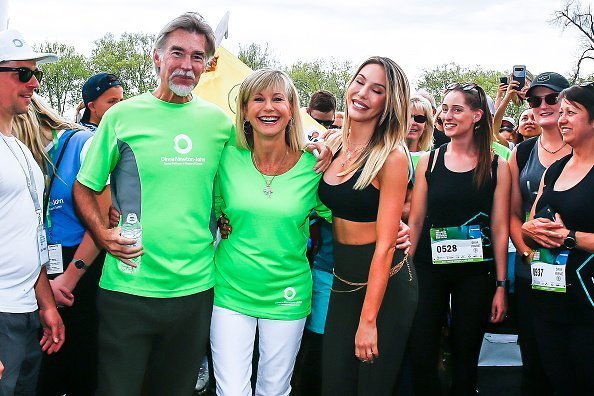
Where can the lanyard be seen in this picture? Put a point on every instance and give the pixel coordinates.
(28, 176)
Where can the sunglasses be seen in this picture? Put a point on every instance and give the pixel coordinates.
(439, 121)
(463, 87)
(25, 73)
(325, 123)
(419, 119)
(587, 84)
(536, 101)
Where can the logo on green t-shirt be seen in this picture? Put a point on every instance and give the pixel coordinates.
(186, 144)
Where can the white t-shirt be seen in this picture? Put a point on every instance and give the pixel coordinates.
(19, 258)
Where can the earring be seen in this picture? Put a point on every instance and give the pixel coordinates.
(289, 125)
(247, 127)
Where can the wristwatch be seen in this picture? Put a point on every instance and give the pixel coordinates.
(501, 283)
(80, 264)
(570, 241)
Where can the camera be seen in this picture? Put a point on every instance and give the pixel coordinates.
(504, 80)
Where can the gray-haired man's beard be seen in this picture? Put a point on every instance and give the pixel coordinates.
(181, 89)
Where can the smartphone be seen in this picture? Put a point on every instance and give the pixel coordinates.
(504, 80)
(519, 74)
(547, 213)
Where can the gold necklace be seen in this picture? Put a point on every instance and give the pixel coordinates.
(349, 153)
(549, 151)
(268, 190)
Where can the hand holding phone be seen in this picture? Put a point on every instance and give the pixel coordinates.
(519, 75)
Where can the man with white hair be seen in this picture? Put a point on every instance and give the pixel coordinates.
(162, 149)
(26, 298)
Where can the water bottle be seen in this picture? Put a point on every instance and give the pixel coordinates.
(133, 230)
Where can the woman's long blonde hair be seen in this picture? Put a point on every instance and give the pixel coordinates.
(391, 128)
(256, 82)
(30, 127)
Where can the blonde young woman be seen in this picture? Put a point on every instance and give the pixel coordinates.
(459, 232)
(74, 270)
(374, 291)
(266, 187)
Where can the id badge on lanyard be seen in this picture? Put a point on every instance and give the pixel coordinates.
(548, 270)
(463, 244)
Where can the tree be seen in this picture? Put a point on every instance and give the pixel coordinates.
(575, 16)
(312, 76)
(436, 79)
(62, 80)
(129, 57)
(256, 56)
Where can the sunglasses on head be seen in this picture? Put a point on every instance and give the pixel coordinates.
(587, 84)
(325, 123)
(536, 101)
(419, 118)
(25, 73)
(463, 87)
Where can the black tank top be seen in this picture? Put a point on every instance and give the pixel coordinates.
(347, 203)
(575, 208)
(453, 200)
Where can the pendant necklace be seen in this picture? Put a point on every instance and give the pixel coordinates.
(349, 153)
(549, 151)
(268, 189)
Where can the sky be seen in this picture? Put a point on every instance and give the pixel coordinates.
(416, 34)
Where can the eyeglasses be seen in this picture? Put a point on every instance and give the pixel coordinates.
(325, 123)
(536, 101)
(25, 73)
(419, 118)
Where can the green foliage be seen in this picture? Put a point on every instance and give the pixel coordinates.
(62, 81)
(319, 74)
(257, 56)
(129, 57)
(436, 79)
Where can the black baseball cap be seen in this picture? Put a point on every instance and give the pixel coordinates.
(94, 87)
(551, 80)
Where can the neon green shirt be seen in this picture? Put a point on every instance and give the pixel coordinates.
(262, 270)
(501, 150)
(163, 158)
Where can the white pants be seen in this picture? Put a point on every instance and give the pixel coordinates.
(232, 336)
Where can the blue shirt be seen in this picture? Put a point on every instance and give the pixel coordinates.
(62, 223)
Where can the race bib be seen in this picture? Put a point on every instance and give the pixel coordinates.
(548, 270)
(56, 264)
(462, 244)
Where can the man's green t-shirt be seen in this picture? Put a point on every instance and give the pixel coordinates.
(163, 158)
(262, 269)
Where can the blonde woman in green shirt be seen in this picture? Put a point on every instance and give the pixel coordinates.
(266, 187)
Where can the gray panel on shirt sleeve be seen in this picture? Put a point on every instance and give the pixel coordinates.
(125, 183)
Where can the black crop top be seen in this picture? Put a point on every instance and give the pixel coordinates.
(347, 203)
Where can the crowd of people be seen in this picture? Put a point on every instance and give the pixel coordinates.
(155, 231)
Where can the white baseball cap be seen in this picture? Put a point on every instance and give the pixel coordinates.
(13, 47)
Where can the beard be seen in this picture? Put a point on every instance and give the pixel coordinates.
(181, 89)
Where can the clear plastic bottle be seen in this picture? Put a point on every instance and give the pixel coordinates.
(133, 230)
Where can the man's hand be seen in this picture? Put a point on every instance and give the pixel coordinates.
(323, 155)
(53, 330)
(118, 246)
(403, 240)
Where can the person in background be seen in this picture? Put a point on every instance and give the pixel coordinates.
(418, 140)
(76, 263)
(561, 230)
(99, 93)
(508, 130)
(338, 120)
(322, 108)
(528, 162)
(527, 126)
(459, 232)
(374, 291)
(26, 300)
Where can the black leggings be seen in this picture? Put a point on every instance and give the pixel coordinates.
(534, 380)
(471, 291)
(342, 373)
(567, 352)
